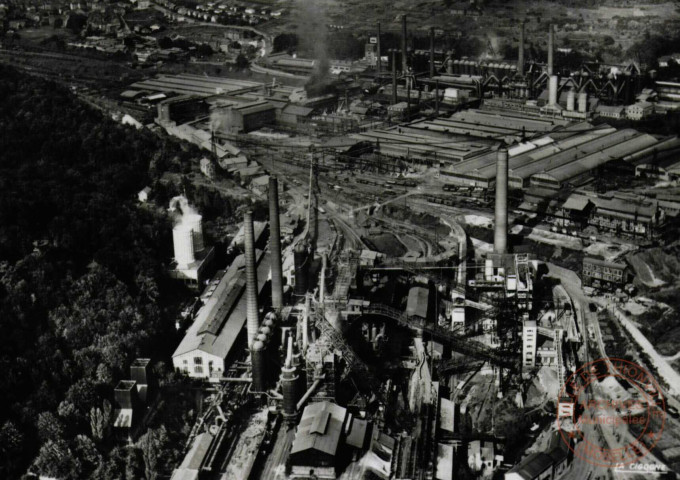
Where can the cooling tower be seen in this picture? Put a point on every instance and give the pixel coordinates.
(500, 238)
(253, 321)
(275, 243)
(182, 239)
(194, 221)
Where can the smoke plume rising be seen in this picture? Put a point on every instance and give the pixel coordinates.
(182, 211)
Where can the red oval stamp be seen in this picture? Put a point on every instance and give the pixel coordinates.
(611, 412)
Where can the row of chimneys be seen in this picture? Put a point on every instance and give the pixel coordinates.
(520, 60)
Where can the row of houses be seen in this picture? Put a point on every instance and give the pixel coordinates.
(621, 214)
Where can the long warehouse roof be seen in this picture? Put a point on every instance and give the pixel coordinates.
(196, 84)
(570, 155)
(594, 160)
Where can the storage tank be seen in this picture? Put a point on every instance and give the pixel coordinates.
(195, 222)
(571, 98)
(552, 90)
(583, 102)
(182, 239)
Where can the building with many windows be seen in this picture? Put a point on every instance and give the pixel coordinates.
(602, 274)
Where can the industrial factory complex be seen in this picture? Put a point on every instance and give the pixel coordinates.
(403, 266)
(351, 361)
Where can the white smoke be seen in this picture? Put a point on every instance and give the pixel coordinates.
(182, 211)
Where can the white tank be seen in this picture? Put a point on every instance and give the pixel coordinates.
(583, 102)
(552, 90)
(194, 221)
(182, 237)
(571, 98)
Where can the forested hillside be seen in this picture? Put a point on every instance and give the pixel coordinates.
(76, 311)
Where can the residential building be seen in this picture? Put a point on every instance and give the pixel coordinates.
(639, 110)
(608, 111)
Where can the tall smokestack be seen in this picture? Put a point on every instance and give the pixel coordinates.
(253, 311)
(431, 52)
(500, 238)
(275, 243)
(378, 48)
(394, 77)
(551, 47)
(520, 60)
(404, 33)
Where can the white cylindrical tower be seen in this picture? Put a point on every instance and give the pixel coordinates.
(194, 221)
(583, 102)
(571, 100)
(184, 244)
(552, 90)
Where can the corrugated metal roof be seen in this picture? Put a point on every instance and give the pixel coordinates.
(216, 312)
(573, 169)
(309, 435)
(532, 466)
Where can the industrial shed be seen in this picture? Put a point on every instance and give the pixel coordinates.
(573, 172)
(248, 117)
(197, 85)
(210, 338)
(323, 429)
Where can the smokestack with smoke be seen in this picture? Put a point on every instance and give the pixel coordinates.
(314, 22)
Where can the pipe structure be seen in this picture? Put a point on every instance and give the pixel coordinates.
(500, 238)
(253, 310)
(322, 286)
(520, 60)
(394, 77)
(551, 47)
(431, 52)
(571, 97)
(436, 97)
(305, 325)
(310, 391)
(300, 260)
(275, 244)
(404, 55)
(378, 49)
